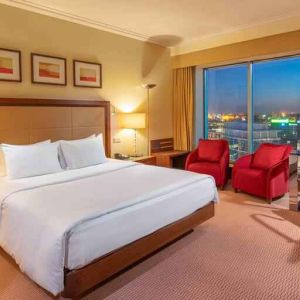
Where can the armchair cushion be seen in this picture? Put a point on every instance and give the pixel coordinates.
(252, 181)
(210, 168)
(268, 155)
(210, 150)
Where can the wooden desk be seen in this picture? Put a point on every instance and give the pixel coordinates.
(147, 160)
(171, 159)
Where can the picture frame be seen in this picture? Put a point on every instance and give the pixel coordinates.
(87, 74)
(10, 65)
(47, 69)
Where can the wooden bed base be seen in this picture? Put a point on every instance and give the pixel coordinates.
(81, 280)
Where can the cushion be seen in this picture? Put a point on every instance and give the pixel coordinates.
(31, 160)
(210, 150)
(252, 181)
(209, 168)
(39, 143)
(268, 155)
(83, 153)
(61, 158)
(2, 160)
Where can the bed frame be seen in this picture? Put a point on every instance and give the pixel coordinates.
(79, 281)
(26, 120)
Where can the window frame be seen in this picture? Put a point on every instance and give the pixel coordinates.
(250, 100)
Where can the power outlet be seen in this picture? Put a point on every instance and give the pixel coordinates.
(116, 140)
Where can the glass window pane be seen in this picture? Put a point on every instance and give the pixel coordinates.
(276, 101)
(226, 104)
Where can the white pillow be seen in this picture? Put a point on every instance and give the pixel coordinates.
(2, 160)
(61, 157)
(31, 160)
(83, 153)
(39, 143)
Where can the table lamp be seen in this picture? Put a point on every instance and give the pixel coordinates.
(134, 121)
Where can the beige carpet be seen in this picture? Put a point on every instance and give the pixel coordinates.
(249, 250)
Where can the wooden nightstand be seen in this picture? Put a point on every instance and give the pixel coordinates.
(147, 160)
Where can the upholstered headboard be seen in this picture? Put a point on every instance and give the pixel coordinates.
(26, 121)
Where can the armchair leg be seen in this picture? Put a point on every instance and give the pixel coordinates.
(269, 200)
(222, 187)
(236, 190)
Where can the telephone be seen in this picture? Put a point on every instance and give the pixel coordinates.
(121, 156)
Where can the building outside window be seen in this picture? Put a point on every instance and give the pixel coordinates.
(226, 106)
(263, 97)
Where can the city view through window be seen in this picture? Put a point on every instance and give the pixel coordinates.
(275, 103)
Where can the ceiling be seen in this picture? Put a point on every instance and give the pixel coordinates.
(184, 25)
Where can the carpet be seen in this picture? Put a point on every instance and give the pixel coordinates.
(249, 250)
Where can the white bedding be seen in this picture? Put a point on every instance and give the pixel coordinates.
(44, 219)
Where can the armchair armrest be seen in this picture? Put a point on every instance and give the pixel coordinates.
(242, 163)
(282, 166)
(192, 157)
(224, 164)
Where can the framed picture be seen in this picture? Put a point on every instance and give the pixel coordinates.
(87, 74)
(10, 65)
(48, 69)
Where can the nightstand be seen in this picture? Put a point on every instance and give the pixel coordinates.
(147, 160)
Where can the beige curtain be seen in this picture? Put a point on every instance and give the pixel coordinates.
(183, 108)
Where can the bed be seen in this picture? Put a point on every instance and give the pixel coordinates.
(71, 230)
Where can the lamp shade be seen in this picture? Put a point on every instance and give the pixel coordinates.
(133, 121)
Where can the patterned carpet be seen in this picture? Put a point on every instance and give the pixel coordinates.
(249, 250)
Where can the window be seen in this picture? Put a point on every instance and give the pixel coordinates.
(226, 102)
(253, 103)
(276, 101)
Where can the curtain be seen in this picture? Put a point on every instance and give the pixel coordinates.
(183, 108)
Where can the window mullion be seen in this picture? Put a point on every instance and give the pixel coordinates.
(250, 107)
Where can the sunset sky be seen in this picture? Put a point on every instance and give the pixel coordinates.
(276, 87)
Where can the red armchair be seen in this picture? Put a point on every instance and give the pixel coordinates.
(212, 158)
(264, 173)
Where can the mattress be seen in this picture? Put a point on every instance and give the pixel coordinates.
(100, 236)
(70, 218)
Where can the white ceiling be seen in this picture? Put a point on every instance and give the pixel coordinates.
(186, 25)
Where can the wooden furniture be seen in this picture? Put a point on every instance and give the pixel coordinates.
(81, 280)
(295, 196)
(147, 160)
(162, 145)
(172, 159)
(30, 120)
(24, 121)
(166, 156)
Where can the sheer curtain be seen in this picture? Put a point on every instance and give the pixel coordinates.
(183, 108)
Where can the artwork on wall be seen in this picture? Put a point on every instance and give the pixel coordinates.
(10, 65)
(48, 69)
(87, 74)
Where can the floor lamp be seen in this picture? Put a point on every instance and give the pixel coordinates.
(148, 87)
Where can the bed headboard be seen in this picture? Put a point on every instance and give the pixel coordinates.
(26, 121)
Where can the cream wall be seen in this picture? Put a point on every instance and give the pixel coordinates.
(267, 47)
(126, 64)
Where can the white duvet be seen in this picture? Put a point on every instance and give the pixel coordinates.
(38, 213)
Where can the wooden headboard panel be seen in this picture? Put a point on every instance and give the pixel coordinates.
(25, 121)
